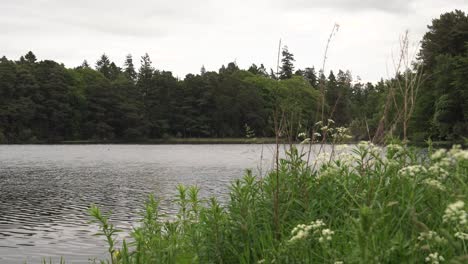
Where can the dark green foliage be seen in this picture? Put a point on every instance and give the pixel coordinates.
(441, 112)
(287, 67)
(45, 102)
(377, 206)
(42, 101)
(129, 70)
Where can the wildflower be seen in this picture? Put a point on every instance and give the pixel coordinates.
(346, 158)
(327, 235)
(324, 128)
(455, 213)
(301, 135)
(319, 123)
(305, 141)
(430, 236)
(444, 162)
(438, 154)
(339, 262)
(317, 134)
(330, 121)
(434, 258)
(412, 170)
(458, 154)
(300, 232)
(434, 183)
(261, 261)
(368, 146)
(438, 171)
(461, 235)
(317, 224)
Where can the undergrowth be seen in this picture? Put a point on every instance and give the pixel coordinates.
(362, 204)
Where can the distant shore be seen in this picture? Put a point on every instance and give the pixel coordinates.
(176, 141)
(161, 141)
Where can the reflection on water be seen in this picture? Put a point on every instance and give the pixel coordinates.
(45, 191)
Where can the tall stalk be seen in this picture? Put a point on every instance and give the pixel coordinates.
(277, 132)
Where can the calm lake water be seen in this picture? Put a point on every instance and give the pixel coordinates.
(45, 190)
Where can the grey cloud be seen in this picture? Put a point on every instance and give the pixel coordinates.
(391, 6)
(140, 18)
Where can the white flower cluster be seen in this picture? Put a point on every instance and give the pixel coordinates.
(461, 235)
(329, 171)
(346, 158)
(395, 148)
(457, 153)
(439, 172)
(446, 158)
(434, 258)
(341, 133)
(455, 213)
(430, 236)
(302, 135)
(438, 154)
(445, 162)
(368, 146)
(326, 235)
(412, 170)
(317, 224)
(435, 184)
(302, 231)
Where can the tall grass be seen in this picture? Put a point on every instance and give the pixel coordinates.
(362, 204)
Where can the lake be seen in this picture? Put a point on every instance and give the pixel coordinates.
(45, 190)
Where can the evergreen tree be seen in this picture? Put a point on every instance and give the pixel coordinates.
(287, 67)
(84, 64)
(103, 66)
(145, 74)
(202, 70)
(129, 69)
(30, 57)
(311, 76)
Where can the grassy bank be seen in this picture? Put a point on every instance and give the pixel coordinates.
(353, 206)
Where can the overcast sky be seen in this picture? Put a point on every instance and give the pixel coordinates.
(182, 35)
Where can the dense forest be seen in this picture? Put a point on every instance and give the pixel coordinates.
(43, 101)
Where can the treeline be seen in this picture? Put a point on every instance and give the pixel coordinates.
(46, 102)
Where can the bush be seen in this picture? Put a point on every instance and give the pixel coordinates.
(364, 204)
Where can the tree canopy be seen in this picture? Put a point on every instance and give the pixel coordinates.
(43, 101)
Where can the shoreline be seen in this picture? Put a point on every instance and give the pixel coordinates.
(195, 141)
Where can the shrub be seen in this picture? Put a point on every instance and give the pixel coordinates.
(364, 204)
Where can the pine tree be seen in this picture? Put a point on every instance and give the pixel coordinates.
(30, 57)
(84, 64)
(129, 70)
(202, 70)
(311, 76)
(103, 66)
(287, 66)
